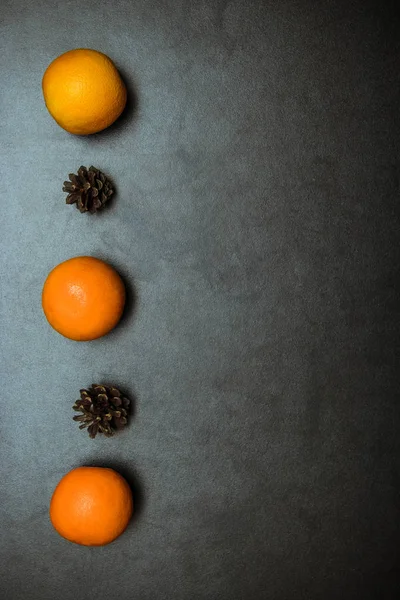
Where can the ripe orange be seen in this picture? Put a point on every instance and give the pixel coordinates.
(83, 298)
(91, 506)
(83, 91)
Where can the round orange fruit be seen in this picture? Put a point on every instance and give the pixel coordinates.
(91, 506)
(83, 298)
(83, 91)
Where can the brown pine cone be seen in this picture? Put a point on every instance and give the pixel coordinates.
(104, 410)
(89, 189)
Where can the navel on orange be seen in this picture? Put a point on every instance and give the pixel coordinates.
(83, 91)
(83, 298)
(91, 506)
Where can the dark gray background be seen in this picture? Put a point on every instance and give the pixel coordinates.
(257, 228)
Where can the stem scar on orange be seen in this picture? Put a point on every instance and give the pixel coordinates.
(83, 298)
(83, 91)
(91, 506)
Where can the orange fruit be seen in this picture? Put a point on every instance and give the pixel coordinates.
(83, 298)
(91, 506)
(83, 91)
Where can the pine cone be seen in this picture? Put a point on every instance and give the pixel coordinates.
(89, 189)
(104, 409)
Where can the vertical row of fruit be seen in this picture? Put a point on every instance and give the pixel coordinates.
(83, 298)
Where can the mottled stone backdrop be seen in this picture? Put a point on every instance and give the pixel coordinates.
(257, 228)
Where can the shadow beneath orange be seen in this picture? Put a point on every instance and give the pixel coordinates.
(131, 301)
(133, 479)
(131, 297)
(128, 114)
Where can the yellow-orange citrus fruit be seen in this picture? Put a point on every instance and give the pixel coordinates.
(83, 91)
(91, 506)
(83, 298)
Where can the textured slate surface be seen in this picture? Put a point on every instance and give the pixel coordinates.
(257, 228)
